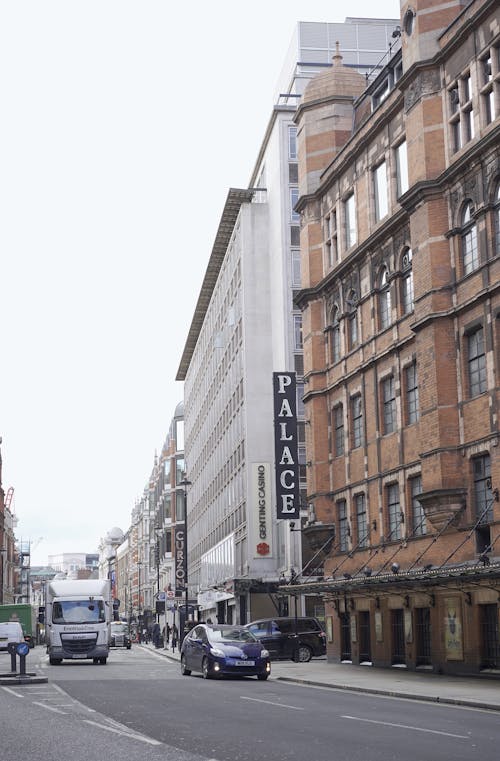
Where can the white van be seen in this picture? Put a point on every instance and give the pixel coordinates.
(10, 631)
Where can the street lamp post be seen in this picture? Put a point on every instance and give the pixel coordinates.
(158, 532)
(139, 564)
(185, 483)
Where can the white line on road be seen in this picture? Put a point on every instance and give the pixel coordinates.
(405, 726)
(49, 708)
(142, 738)
(12, 692)
(270, 702)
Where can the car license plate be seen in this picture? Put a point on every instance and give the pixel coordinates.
(243, 663)
(80, 655)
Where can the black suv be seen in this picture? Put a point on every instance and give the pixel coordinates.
(289, 638)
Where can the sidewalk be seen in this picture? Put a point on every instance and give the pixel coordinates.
(473, 692)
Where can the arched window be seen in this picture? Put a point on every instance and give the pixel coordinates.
(384, 300)
(352, 319)
(470, 253)
(335, 336)
(496, 214)
(407, 297)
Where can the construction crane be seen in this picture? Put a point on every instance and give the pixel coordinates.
(34, 545)
(8, 497)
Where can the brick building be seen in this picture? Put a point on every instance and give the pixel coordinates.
(399, 196)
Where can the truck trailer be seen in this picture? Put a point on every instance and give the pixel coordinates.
(78, 614)
(25, 615)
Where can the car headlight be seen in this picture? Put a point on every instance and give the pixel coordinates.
(264, 653)
(217, 652)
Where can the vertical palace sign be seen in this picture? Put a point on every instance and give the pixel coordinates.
(285, 445)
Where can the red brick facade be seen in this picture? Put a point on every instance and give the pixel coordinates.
(400, 249)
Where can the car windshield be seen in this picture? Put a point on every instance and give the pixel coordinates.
(78, 612)
(230, 634)
(119, 628)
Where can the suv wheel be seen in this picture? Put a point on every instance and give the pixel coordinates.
(303, 654)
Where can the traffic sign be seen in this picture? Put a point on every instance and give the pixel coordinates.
(22, 648)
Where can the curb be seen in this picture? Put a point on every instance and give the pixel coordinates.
(395, 694)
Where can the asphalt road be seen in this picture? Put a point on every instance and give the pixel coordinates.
(139, 705)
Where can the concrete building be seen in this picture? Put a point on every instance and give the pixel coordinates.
(399, 186)
(246, 327)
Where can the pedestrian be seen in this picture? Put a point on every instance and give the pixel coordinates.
(175, 637)
(155, 631)
(167, 634)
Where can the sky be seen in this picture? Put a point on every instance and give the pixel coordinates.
(123, 126)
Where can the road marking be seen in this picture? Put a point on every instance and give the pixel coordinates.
(405, 726)
(12, 692)
(49, 708)
(127, 733)
(270, 702)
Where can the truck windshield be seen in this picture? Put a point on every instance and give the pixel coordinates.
(78, 612)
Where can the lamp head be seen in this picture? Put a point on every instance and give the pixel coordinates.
(395, 568)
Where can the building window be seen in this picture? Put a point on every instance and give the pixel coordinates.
(411, 393)
(292, 142)
(476, 359)
(338, 430)
(335, 350)
(331, 239)
(394, 512)
(407, 294)
(483, 494)
(296, 268)
(470, 253)
(462, 112)
(352, 320)
(389, 404)
(361, 521)
(419, 525)
(294, 235)
(402, 168)
(294, 197)
(350, 221)
(496, 219)
(489, 82)
(343, 526)
(353, 329)
(357, 421)
(384, 300)
(380, 187)
(297, 332)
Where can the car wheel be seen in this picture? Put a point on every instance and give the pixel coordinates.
(128, 647)
(95, 661)
(55, 661)
(205, 669)
(262, 677)
(303, 654)
(103, 661)
(184, 671)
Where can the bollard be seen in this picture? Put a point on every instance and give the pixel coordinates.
(11, 648)
(22, 650)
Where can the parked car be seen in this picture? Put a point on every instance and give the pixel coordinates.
(10, 631)
(289, 638)
(120, 635)
(221, 650)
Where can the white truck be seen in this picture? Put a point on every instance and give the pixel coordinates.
(78, 614)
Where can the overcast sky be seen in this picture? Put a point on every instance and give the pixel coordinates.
(123, 126)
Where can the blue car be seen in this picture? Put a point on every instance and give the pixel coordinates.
(222, 650)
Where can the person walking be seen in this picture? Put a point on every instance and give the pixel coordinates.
(175, 637)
